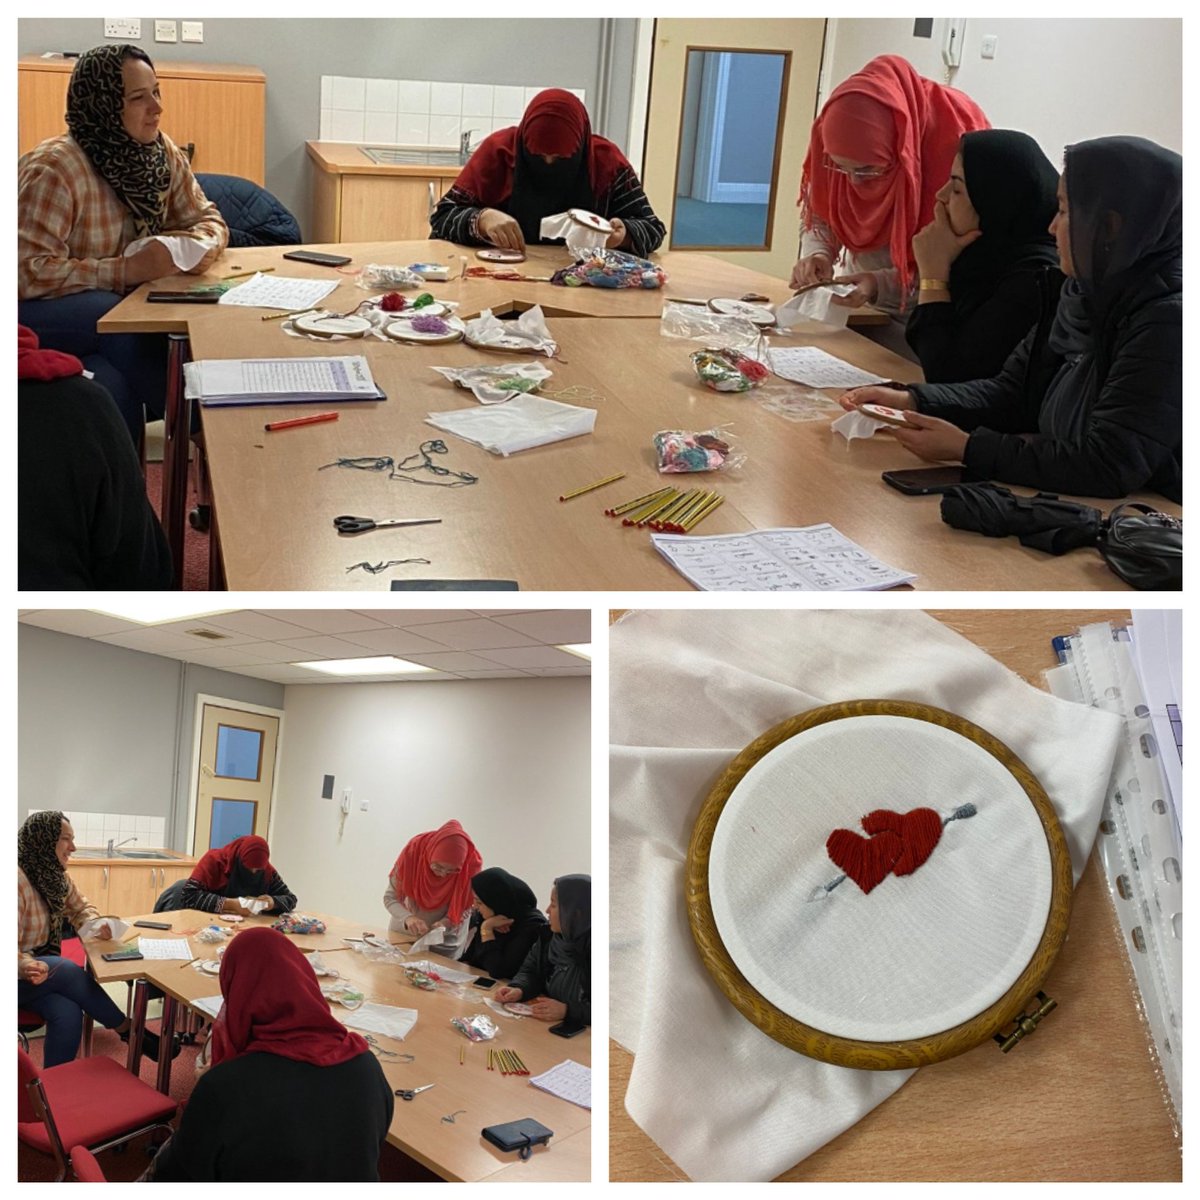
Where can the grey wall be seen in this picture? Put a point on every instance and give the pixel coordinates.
(105, 729)
(295, 53)
(751, 118)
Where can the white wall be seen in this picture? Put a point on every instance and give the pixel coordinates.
(1059, 80)
(510, 758)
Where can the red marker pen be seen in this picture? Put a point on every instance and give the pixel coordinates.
(315, 419)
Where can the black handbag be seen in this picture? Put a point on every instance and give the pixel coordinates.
(1043, 522)
(1144, 547)
(520, 1135)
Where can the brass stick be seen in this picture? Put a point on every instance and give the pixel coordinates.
(632, 504)
(591, 487)
(650, 509)
(703, 513)
(678, 505)
(676, 522)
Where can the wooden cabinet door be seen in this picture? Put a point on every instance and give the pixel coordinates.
(386, 208)
(93, 884)
(133, 889)
(41, 106)
(223, 120)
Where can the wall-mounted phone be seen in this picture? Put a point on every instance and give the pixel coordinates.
(345, 801)
(953, 37)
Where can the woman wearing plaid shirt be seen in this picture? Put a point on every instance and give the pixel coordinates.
(84, 197)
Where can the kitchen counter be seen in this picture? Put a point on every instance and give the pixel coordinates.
(347, 158)
(98, 856)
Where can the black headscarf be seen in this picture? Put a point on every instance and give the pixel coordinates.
(1012, 186)
(574, 943)
(139, 174)
(37, 840)
(503, 893)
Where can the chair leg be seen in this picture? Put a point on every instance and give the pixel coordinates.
(24, 1040)
(176, 427)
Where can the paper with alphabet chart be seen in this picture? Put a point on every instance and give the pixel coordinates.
(277, 291)
(818, 369)
(816, 558)
(569, 1081)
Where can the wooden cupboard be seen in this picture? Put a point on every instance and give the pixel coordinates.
(127, 888)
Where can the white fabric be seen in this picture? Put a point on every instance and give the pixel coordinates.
(861, 965)
(185, 251)
(385, 1019)
(521, 424)
(856, 424)
(688, 691)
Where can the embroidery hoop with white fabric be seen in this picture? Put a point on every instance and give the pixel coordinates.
(921, 966)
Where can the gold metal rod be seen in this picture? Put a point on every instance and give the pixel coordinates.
(681, 501)
(591, 487)
(703, 513)
(649, 509)
(697, 502)
(619, 509)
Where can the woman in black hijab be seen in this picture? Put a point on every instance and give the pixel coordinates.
(556, 977)
(986, 261)
(1091, 402)
(506, 923)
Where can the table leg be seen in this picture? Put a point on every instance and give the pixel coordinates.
(140, 1001)
(166, 1039)
(177, 425)
(216, 566)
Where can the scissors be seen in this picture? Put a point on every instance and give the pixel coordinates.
(409, 1093)
(348, 525)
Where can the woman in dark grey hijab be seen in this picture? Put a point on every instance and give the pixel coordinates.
(556, 978)
(506, 923)
(1090, 403)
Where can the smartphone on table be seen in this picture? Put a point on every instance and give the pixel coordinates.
(484, 982)
(928, 481)
(205, 297)
(318, 259)
(567, 1029)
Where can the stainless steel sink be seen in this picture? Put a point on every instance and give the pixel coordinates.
(90, 854)
(140, 854)
(433, 156)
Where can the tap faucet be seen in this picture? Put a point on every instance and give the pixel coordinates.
(464, 144)
(111, 847)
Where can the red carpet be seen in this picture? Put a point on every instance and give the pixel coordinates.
(195, 545)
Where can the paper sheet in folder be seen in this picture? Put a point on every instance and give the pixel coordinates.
(255, 381)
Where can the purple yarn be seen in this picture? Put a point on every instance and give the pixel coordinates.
(430, 325)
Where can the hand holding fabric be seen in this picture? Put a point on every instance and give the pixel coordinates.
(506, 995)
(888, 397)
(816, 268)
(546, 1009)
(866, 290)
(619, 236)
(932, 439)
(501, 230)
(417, 926)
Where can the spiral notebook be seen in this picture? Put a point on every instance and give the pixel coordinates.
(237, 382)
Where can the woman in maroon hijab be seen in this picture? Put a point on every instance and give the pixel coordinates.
(239, 870)
(547, 164)
(292, 1094)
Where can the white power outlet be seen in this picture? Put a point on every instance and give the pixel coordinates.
(165, 31)
(126, 28)
(987, 48)
(193, 31)
(363, 805)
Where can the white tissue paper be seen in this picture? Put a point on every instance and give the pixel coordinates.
(520, 424)
(435, 937)
(856, 425)
(755, 1108)
(528, 332)
(254, 904)
(578, 237)
(90, 930)
(815, 305)
(384, 1019)
(484, 383)
(186, 252)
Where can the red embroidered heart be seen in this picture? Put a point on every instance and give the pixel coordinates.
(898, 844)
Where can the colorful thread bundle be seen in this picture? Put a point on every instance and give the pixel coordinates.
(668, 510)
(611, 269)
(680, 452)
(429, 325)
(726, 370)
(290, 923)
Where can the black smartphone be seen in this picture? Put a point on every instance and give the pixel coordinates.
(321, 260)
(121, 956)
(183, 297)
(567, 1028)
(928, 481)
(153, 924)
(484, 982)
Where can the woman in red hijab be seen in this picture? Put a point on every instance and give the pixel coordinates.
(430, 885)
(880, 149)
(547, 164)
(292, 1094)
(222, 879)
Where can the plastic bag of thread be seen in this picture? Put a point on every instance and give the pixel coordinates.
(679, 452)
(427, 981)
(375, 276)
(495, 385)
(728, 370)
(479, 1028)
(611, 269)
(291, 923)
(344, 994)
(697, 323)
(212, 935)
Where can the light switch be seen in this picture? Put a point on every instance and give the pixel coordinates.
(193, 31)
(165, 31)
(988, 47)
(363, 805)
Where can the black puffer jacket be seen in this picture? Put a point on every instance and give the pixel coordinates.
(1125, 403)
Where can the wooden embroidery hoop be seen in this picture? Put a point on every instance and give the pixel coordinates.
(848, 1052)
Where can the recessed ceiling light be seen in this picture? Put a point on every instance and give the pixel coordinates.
(385, 665)
(156, 611)
(583, 650)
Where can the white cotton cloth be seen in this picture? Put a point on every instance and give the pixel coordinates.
(689, 690)
(185, 252)
(856, 424)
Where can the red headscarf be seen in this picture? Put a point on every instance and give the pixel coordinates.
(555, 122)
(273, 1005)
(212, 872)
(885, 115)
(43, 365)
(414, 880)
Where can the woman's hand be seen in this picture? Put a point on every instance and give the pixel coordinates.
(206, 262)
(506, 995)
(546, 1009)
(269, 901)
(619, 236)
(498, 923)
(816, 268)
(34, 971)
(501, 230)
(888, 397)
(416, 925)
(152, 261)
(866, 289)
(932, 439)
(937, 245)
(104, 932)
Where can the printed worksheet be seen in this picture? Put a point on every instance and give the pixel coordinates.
(569, 1081)
(165, 948)
(277, 291)
(816, 558)
(817, 368)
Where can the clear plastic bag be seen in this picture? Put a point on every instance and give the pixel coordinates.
(726, 370)
(611, 269)
(699, 324)
(375, 276)
(478, 1028)
(680, 452)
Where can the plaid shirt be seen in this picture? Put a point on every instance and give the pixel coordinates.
(33, 917)
(72, 229)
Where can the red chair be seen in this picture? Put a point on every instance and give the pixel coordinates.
(91, 1102)
(85, 1166)
(27, 1020)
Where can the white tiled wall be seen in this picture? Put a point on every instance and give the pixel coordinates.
(415, 112)
(95, 829)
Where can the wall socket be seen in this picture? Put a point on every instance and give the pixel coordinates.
(126, 28)
(193, 31)
(165, 31)
(363, 804)
(987, 48)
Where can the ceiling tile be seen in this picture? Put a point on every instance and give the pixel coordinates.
(394, 641)
(260, 625)
(324, 620)
(454, 661)
(403, 617)
(501, 612)
(479, 633)
(79, 622)
(218, 656)
(150, 641)
(564, 626)
(328, 647)
(582, 669)
(509, 673)
(533, 656)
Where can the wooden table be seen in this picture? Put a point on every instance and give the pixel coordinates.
(454, 1151)
(1077, 1102)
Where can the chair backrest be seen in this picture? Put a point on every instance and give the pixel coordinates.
(255, 217)
(171, 898)
(85, 1166)
(27, 1073)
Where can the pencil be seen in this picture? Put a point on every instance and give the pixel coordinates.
(629, 505)
(315, 419)
(673, 523)
(591, 487)
(462, 1054)
(245, 274)
(650, 509)
(294, 312)
(695, 520)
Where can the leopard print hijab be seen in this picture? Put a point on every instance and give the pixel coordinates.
(36, 842)
(139, 174)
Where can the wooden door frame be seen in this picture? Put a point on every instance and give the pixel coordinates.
(201, 700)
